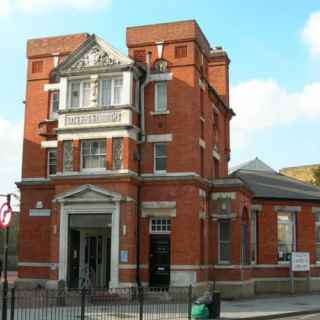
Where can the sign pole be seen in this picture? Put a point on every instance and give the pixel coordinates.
(5, 269)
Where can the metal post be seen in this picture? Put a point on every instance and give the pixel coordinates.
(5, 269)
(83, 303)
(140, 293)
(189, 301)
(12, 304)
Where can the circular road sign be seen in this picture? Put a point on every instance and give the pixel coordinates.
(5, 215)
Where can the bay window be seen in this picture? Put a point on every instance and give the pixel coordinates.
(54, 103)
(93, 154)
(286, 236)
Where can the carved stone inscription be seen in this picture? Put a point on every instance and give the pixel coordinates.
(107, 117)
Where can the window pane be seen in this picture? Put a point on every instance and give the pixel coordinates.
(93, 154)
(318, 233)
(75, 94)
(55, 101)
(224, 231)
(224, 251)
(318, 252)
(161, 96)
(86, 94)
(160, 150)
(117, 91)
(67, 156)
(52, 162)
(160, 164)
(105, 92)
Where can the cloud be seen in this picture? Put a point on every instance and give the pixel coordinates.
(4, 7)
(11, 155)
(264, 104)
(36, 6)
(310, 33)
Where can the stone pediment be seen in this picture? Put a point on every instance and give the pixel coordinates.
(93, 54)
(89, 193)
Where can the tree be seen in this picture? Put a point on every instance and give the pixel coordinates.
(316, 176)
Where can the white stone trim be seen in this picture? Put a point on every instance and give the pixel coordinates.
(256, 207)
(35, 179)
(215, 154)
(49, 144)
(161, 76)
(287, 208)
(63, 93)
(202, 143)
(127, 78)
(202, 193)
(223, 195)
(159, 137)
(124, 266)
(39, 212)
(158, 209)
(51, 86)
(110, 207)
(104, 133)
(171, 174)
(160, 48)
(315, 209)
(38, 264)
(202, 85)
(159, 113)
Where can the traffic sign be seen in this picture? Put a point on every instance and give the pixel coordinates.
(300, 261)
(5, 215)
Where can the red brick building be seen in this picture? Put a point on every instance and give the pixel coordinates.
(125, 164)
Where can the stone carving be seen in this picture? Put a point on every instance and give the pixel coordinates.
(95, 57)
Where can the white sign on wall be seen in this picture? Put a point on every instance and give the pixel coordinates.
(95, 119)
(300, 261)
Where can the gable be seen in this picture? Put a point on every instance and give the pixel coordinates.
(89, 193)
(94, 54)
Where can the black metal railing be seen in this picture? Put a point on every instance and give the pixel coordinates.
(100, 304)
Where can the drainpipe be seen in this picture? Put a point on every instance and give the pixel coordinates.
(142, 138)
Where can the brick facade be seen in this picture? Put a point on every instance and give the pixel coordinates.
(195, 129)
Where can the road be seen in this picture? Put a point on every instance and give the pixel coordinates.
(305, 317)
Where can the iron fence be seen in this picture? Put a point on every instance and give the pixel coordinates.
(100, 304)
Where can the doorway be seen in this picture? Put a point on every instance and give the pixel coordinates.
(159, 261)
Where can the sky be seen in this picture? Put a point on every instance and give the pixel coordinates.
(274, 47)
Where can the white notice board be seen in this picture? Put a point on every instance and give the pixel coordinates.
(300, 261)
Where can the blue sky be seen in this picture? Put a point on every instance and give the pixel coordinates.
(274, 71)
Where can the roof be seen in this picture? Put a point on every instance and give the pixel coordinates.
(273, 185)
(253, 165)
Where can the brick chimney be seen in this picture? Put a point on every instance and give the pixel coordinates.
(218, 72)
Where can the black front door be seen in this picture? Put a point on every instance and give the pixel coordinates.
(74, 253)
(159, 261)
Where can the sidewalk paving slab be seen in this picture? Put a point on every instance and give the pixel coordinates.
(270, 307)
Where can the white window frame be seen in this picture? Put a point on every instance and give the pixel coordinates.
(292, 216)
(81, 82)
(152, 219)
(220, 261)
(156, 106)
(81, 157)
(54, 114)
(317, 225)
(155, 157)
(64, 169)
(113, 80)
(49, 151)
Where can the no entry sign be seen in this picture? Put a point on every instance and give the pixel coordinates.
(5, 215)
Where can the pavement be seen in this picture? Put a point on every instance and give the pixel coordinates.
(272, 307)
